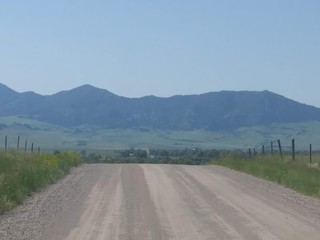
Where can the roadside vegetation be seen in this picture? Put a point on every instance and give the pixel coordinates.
(298, 175)
(24, 173)
(195, 156)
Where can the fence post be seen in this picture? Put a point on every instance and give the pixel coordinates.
(280, 148)
(38, 150)
(6, 143)
(18, 144)
(250, 155)
(293, 150)
(32, 148)
(25, 145)
(262, 149)
(271, 148)
(310, 153)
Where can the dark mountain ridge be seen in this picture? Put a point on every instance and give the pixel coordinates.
(212, 111)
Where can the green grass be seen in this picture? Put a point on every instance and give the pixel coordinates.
(298, 175)
(51, 137)
(23, 173)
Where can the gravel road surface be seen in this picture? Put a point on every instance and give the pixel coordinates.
(136, 201)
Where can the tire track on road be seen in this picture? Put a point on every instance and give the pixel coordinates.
(163, 202)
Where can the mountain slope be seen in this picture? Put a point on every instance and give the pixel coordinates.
(212, 111)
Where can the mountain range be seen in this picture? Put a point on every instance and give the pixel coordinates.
(210, 111)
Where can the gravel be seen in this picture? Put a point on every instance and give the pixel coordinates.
(40, 211)
(29, 220)
(285, 195)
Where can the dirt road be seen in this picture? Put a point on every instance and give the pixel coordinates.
(173, 202)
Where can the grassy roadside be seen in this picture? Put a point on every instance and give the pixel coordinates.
(23, 173)
(297, 175)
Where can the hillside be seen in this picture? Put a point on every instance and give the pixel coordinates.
(211, 111)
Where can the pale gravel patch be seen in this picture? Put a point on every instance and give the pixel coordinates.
(291, 198)
(29, 220)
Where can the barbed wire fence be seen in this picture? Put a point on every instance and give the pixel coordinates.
(276, 147)
(16, 144)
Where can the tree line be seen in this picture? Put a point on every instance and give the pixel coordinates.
(194, 156)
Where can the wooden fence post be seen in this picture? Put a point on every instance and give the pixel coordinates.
(262, 149)
(293, 150)
(25, 145)
(250, 155)
(6, 143)
(310, 153)
(280, 148)
(32, 148)
(18, 144)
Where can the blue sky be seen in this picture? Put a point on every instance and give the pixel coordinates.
(163, 47)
